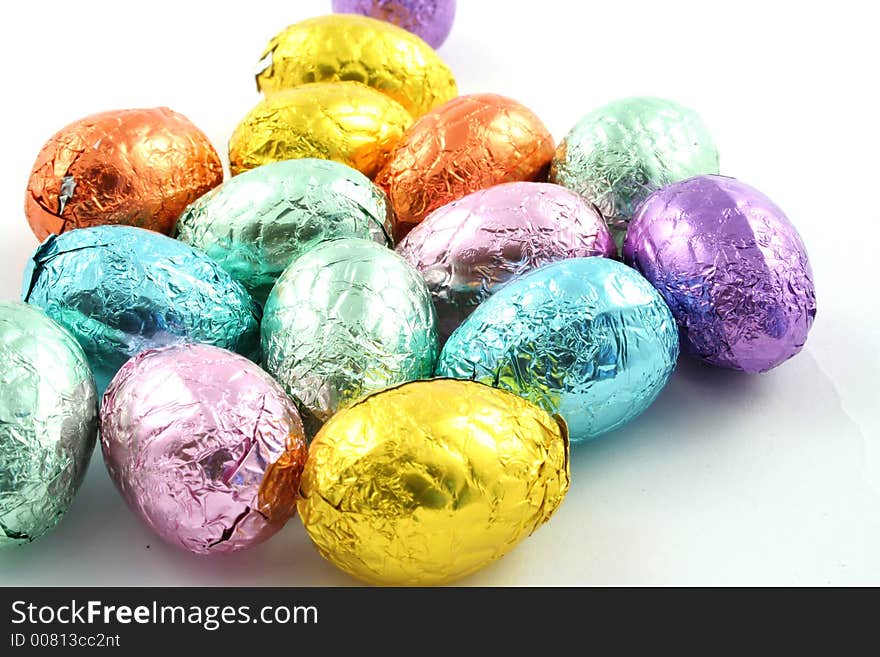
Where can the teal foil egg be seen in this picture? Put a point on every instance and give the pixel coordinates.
(587, 338)
(48, 422)
(348, 318)
(256, 223)
(121, 290)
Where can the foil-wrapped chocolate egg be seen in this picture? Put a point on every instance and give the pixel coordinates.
(346, 47)
(256, 223)
(48, 422)
(587, 338)
(430, 481)
(469, 248)
(204, 446)
(343, 121)
(121, 290)
(138, 167)
(470, 143)
(732, 268)
(429, 19)
(347, 318)
(620, 153)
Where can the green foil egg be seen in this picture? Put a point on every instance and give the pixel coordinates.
(48, 422)
(348, 318)
(621, 153)
(256, 223)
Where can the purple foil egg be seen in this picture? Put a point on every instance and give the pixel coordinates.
(204, 446)
(732, 268)
(429, 19)
(469, 248)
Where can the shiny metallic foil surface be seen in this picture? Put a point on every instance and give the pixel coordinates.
(430, 481)
(619, 154)
(48, 422)
(470, 143)
(139, 167)
(469, 248)
(732, 268)
(256, 223)
(188, 433)
(122, 290)
(346, 319)
(429, 19)
(587, 338)
(346, 47)
(342, 121)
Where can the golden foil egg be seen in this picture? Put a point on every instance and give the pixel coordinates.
(348, 47)
(430, 481)
(343, 121)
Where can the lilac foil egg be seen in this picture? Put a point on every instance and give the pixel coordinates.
(471, 247)
(204, 446)
(732, 268)
(429, 19)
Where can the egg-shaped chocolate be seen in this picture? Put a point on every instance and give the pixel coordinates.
(347, 318)
(470, 143)
(469, 248)
(343, 121)
(138, 167)
(48, 422)
(587, 338)
(429, 19)
(430, 481)
(256, 223)
(121, 290)
(732, 268)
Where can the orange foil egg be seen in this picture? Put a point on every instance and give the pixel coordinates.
(470, 143)
(139, 167)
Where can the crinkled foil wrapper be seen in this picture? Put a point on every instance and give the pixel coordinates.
(48, 422)
(619, 154)
(139, 167)
(256, 223)
(732, 268)
(470, 143)
(429, 19)
(346, 47)
(587, 338)
(342, 121)
(430, 481)
(468, 249)
(189, 433)
(346, 319)
(122, 290)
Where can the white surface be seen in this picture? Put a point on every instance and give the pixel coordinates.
(728, 478)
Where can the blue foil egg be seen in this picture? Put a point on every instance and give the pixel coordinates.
(121, 290)
(587, 338)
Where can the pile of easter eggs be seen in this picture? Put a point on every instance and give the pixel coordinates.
(395, 318)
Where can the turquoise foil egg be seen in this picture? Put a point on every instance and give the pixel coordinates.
(587, 338)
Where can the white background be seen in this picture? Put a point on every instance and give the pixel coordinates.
(728, 478)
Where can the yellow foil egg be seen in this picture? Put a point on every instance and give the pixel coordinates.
(430, 481)
(361, 49)
(343, 121)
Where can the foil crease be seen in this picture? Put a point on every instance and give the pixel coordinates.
(619, 154)
(138, 167)
(429, 19)
(348, 318)
(471, 247)
(430, 481)
(470, 143)
(48, 422)
(587, 338)
(347, 47)
(342, 121)
(189, 433)
(121, 290)
(732, 268)
(256, 223)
